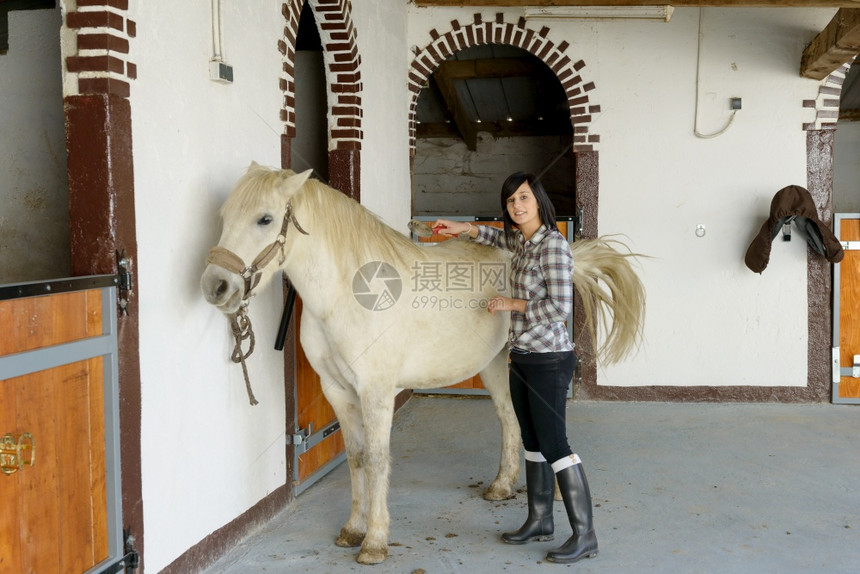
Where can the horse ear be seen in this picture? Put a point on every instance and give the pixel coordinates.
(294, 183)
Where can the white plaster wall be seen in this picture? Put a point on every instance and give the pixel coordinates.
(207, 455)
(385, 179)
(34, 198)
(711, 321)
(846, 168)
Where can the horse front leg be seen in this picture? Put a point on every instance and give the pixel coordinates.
(377, 409)
(347, 409)
(495, 378)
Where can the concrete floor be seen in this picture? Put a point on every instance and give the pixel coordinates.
(677, 488)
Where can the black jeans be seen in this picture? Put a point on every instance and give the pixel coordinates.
(539, 384)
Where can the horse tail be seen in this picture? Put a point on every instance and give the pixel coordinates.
(612, 295)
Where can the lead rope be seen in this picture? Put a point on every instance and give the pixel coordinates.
(240, 325)
(240, 322)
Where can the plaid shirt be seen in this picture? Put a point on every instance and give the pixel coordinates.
(542, 275)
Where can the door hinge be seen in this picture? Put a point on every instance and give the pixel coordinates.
(834, 365)
(850, 245)
(125, 281)
(128, 563)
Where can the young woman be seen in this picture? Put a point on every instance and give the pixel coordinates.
(542, 359)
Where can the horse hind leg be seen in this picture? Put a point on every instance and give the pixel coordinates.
(495, 378)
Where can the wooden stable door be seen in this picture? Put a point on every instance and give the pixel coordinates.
(321, 442)
(53, 488)
(846, 319)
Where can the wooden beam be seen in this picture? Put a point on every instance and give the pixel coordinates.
(452, 101)
(837, 44)
(492, 68)
(498, 129)
(676, 3)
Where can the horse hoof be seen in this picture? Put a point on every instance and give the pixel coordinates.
(495, 492)
(372, 556)
(348, 539)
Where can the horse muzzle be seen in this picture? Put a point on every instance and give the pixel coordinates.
(223, 289)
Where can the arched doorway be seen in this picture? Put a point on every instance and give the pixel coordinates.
(488, 110)
(580, 107)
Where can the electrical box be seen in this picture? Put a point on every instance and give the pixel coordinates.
(220, 72)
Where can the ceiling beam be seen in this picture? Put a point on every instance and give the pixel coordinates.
(675, 3)
(497, 129)
(492, 68)
(452, 102)
(837, 44)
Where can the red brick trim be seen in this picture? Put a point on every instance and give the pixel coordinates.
(338, 36)
(101, 41)
(827, 103)
(464, 34)
(103, 32)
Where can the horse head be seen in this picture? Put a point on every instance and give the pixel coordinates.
(255, 221)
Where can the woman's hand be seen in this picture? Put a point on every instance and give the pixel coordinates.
(450, 228)
(499, 303)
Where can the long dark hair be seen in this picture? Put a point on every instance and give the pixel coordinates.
(546, 209)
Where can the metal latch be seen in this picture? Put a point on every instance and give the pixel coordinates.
(850, 245)
(300, 437)
(855, 369)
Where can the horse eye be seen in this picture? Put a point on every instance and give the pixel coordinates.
(265, 220)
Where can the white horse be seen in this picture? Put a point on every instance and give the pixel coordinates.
(382, 313)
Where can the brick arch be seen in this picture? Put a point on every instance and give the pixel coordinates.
(497, 31)
(343, 84)
(826, 104)
(578, 92)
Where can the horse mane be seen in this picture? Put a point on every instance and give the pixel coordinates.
(354, 234)
(252, 189)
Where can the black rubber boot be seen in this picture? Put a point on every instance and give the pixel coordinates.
(577, 502)
(540, 487)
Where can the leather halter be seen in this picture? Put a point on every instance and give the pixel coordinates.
(225, 258)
